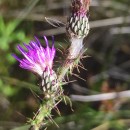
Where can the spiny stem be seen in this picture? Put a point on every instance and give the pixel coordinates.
(71, 61)
(43, 112)
(65, 68)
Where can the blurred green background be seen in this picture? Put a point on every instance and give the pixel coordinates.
(108, 67)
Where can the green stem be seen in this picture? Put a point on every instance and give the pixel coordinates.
(75, 52)
(65, 69)
(43, 112)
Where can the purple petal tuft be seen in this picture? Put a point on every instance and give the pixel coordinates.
(36, 59)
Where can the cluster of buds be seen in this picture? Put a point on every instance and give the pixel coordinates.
(77, 24)
(39, 60)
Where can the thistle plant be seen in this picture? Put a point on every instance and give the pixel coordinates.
(77, 28)
(39, 60)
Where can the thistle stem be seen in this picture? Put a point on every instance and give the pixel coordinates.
(75, 52)
(43, 112)
(75, 48)
(65, 68)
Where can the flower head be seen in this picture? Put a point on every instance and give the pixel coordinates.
(36, 58)
(80, 7)
(78, 25)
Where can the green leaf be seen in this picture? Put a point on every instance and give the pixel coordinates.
(11, 26)
(22, 84)
(9, 91)
(10, 58)
(20, 36)
(2, 25)
(1, 82)
(4, 43)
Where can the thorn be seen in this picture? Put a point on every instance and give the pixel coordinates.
(57, 110)
(86, 56)
(57, 61)
(67, 76)
(77, 69)
(78, 77)
(69, 82)
(51, 119)
(21, 115)
(35, 114)
(60, 51)
(61, 46)
(66, 97)
(35, 95)
(45, 128)
(53, 22)
(64, 100)
(81, 64)
(83, 68)
(57, 102)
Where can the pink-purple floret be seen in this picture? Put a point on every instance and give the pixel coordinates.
(36, 58)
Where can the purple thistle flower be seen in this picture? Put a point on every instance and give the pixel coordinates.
(36, 58)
